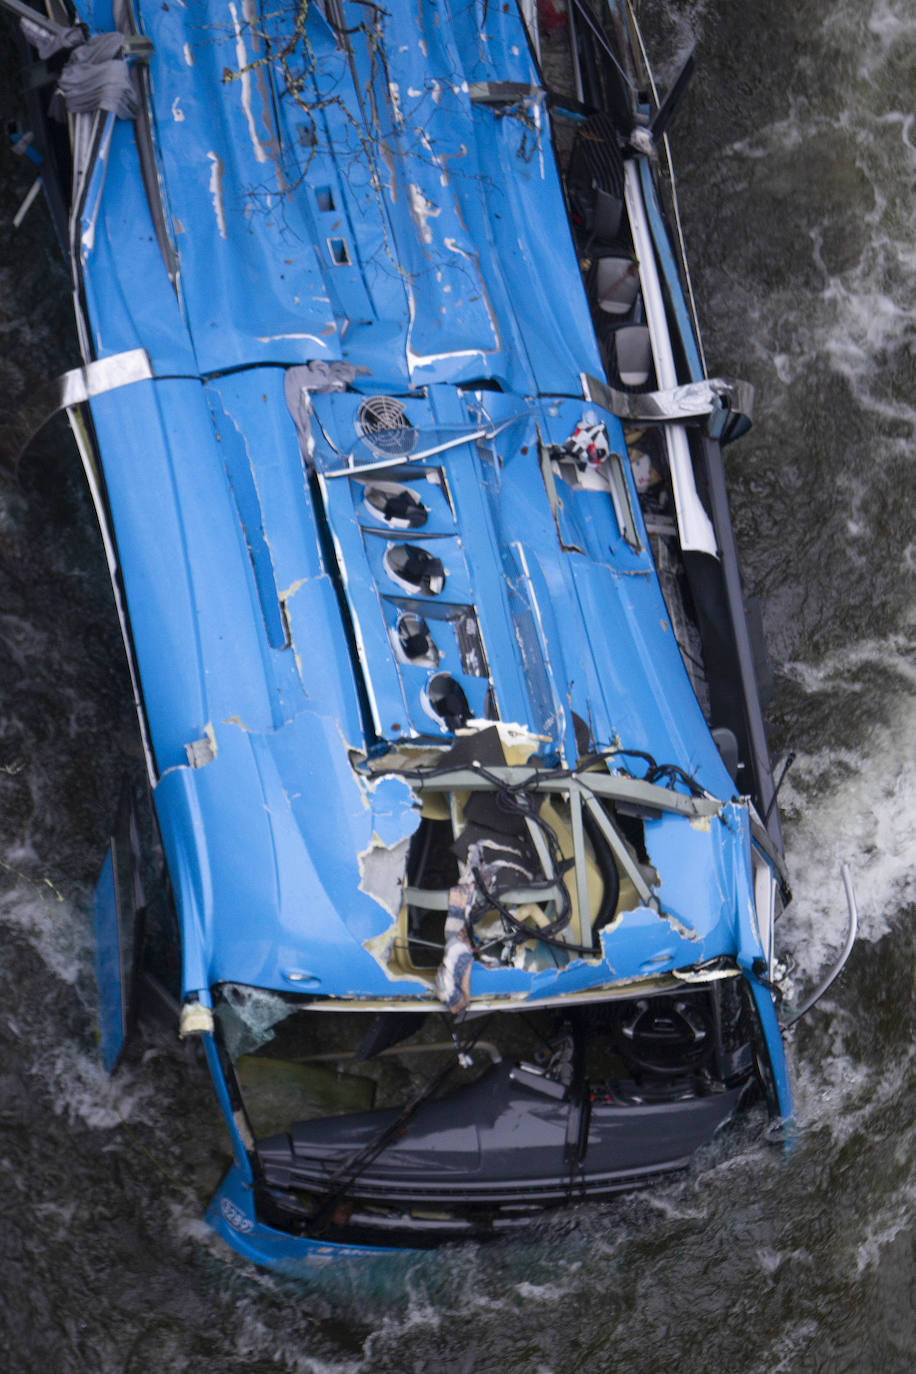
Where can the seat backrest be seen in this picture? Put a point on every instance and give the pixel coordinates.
(616, 284)
(634, 354)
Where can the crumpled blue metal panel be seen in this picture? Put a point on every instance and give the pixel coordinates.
(269, 833)
(257, 442)
(376, 213)
(474, 203)
(264, 846)
(429, 246)
(641, 688)
(129, 298)
(261, 901)
(252, 287)
(197, 625)
(696, 885)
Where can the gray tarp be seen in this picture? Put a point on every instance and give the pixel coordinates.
(97, 77)
(319, 376)
(48, 41)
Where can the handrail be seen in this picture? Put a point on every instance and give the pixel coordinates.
(840, 964)
(460, 437)
(682, 247)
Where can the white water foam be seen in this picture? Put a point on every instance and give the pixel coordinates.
(896, 1217)
(855, 221)
(852, 804)
(670, 1206)
(842, 1093)
(80, 1088)
(790, 1345)
(188, 1225)
(892, 23)
(541, 1292)
(50, 923)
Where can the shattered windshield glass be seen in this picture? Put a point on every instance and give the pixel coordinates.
(247, 1017)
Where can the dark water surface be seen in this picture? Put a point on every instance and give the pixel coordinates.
(797, 163)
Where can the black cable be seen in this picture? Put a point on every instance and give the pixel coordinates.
(674, 771)
(602, 755)
(515, 799)
(521, 931)
(789, 760)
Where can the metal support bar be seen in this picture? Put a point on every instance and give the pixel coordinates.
(574, 51)
(470, 436)
(609, 785)
(664, 113)
(682, 249)
(71, 36)
(138, 46)
(734, 592)
(502, 92)
(27, 202)
(575, 812)
(694, 526)
(600, 37)
(540, 847)
(437, 898)
(621, 852)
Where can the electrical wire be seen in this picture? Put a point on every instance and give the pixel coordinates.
(516, 799)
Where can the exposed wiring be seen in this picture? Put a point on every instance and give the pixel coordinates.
(516, 798)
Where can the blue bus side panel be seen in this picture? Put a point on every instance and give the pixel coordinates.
(110, 963)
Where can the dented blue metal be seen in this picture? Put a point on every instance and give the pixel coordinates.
(372, 206)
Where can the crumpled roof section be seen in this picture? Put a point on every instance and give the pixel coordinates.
(348, 512)
(362, 203)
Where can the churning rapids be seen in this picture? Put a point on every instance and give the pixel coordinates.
(797, 162)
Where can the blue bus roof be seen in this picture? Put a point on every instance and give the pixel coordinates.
(372, 211)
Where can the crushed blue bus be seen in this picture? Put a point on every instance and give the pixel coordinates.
(410, 477)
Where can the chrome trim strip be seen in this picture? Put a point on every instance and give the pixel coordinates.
(94, 481)
(502, 92)
(682, 247)
(80, 384)
(834, 973)
(674, 404)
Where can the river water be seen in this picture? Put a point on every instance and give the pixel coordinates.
(797, 161)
